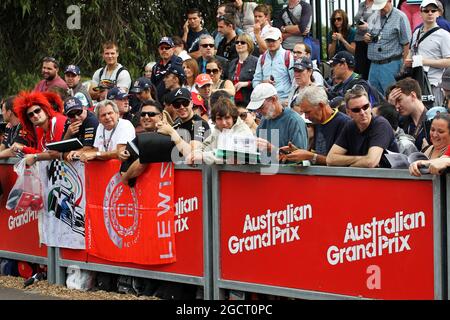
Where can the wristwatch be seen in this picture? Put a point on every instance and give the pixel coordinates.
(283, 29)
(314, 158)
(98, 154)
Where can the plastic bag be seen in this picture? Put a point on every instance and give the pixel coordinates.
(27, 191)
(79, 279)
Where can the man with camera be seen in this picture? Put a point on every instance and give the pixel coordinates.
(388, 44)
(431, 45)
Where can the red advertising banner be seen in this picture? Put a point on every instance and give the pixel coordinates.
(188, 223)
(360, 237)
(18, 229)
(131, 224)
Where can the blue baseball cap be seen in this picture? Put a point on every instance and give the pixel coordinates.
(72, 103)
(141, 84)
(73, 69)
(166, 40)
(117, 94)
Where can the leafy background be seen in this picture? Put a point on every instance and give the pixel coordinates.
(31, 30)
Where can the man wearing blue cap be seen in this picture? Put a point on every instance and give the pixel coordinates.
(168, 59)
(343, 64)
(82, 124)
(120, 97)
(76, 89)
(174, 78)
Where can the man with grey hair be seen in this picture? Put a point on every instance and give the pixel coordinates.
(112, 134)
(363, 140)
(207, 52)
(313, 102)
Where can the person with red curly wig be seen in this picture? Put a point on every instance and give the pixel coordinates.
(41, 122)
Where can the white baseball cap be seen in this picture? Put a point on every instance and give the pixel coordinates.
(378, 4)
(261, 92)
(428, 2)
(273, 34)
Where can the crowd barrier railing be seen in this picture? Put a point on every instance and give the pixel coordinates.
(309, 233)
(327, 233)
(192, 238)
(19, 235)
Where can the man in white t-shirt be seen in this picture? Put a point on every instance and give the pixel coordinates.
(112, 133)
(113, 70)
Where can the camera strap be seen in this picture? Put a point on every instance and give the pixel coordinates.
(384, 23)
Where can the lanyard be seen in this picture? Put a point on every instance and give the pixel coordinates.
(106, 145)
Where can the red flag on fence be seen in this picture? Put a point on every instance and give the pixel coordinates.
(126, 224)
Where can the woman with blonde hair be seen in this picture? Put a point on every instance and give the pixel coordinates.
(242, 69)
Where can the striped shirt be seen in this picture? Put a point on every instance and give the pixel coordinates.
(394, 32)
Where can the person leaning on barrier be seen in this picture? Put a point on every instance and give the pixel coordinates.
(363, 140)
(112, 134)
(150, 115)
(82, 125)
(285, 122)
(42, 124)
(14, 132)
(328, 124)
(190, 127)
(436, 166)
(224, 115)
(49, 71)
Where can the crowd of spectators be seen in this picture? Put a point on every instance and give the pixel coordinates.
(255, 76)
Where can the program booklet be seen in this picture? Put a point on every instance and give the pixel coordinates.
(402, 161)
(65, 145)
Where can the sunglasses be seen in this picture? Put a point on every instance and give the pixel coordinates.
(207, 45)
(241, 42)
(358, 110)
(165, 48)
(179, 104)
(215, 71)
(270, 40)
(150, 114)
(356, 89)
(75, 113)
(34, 112)
(429, 10)
(337, 19)
(243, 115)
(299, 52)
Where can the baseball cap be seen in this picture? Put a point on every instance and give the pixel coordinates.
(72, 103)
(178, 94)
(141, 84)
(445, 84)
(166, 40)
(116, 94)
(433, 112)
(273, 34)
(203, 79)
(104, 84)
(197, 99)
(72, 69)
(428, 2)
(378, 4)
(261, 92)
(178, 71)
(343, 56)
(302, 64)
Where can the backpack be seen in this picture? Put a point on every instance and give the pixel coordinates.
(106, 281)
(117, 73)
(287, 58)
(9, 267)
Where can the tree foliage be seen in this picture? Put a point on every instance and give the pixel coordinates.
(31, 30)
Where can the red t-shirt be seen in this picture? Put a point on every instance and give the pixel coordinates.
(448, 152)
(53, 135)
